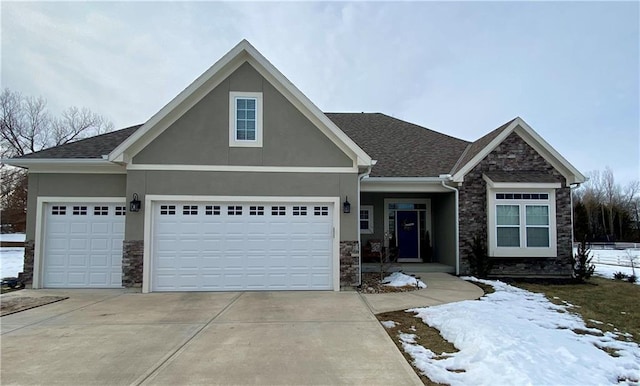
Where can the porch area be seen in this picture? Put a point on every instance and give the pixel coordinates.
(411, 231)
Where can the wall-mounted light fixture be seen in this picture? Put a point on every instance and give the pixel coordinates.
(346, 205)
(134, 205)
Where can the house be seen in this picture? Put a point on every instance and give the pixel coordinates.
(242, 183)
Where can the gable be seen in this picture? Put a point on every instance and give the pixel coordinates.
(487, 144)
(211, 79)
(201, 135)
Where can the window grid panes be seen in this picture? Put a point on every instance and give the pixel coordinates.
(246, 119)
(212, 210)
(537, 220)
(508, 223)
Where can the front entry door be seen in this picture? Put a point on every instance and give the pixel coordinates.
(407, 229)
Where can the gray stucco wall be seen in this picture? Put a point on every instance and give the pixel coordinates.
(70, 185)
(201, 136)
(511, 155)
(242, 184)
(444, 228)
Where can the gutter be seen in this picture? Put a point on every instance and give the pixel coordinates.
(362, 176)
(443, 180)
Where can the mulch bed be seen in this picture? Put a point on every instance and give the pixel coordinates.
(13, 305)
(371, 285)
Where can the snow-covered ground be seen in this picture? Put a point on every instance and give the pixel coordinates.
(12, 236)
(399, 279)
(517, 337)
(608, 271)
(11, 258)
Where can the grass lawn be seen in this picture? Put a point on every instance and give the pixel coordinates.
(613, 302)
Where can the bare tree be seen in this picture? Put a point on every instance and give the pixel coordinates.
(26, 127)
(610, 191)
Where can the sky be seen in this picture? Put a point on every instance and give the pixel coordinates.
(571, 70)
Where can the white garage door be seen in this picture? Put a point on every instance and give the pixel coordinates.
(242, 246)
(83, 245)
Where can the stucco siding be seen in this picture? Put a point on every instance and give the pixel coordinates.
(201, 135)
(70, 185)
(242, 184)
(513, 154)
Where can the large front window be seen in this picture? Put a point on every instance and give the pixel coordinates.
(522, 224)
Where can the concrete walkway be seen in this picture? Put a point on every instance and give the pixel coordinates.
(120, 337)
(441, 288)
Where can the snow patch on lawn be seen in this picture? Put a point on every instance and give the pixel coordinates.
(399, 279)
(607, 271)
(12, 236)
(389, 324)
(517, 337)
(11, 261)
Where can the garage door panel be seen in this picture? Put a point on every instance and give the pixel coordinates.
(242, 246)
(83, 245)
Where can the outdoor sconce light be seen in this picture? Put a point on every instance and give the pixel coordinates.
(346, 206)
(134, 205)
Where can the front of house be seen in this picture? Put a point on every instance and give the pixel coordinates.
(242, 183)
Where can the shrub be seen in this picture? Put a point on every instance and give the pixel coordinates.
(619, 275)
(479, 261)
(632, 278)
(582, 267)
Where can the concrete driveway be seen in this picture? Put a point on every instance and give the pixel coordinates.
(118, 337)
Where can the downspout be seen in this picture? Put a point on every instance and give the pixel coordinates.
(361, 176)
(444, 185)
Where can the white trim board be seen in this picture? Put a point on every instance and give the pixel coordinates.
(150, 199)
(38, 251)
(242, 168)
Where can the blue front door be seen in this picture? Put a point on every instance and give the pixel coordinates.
(408, 234)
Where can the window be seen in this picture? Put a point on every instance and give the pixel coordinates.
(299, 210)
(234, 210)
(167, 210)
(212, 210)
(120, 210)
(79, 210)
(522, 224)
(188, 210)
(320, 210)
(278, 211)
(100, 210)
(256, 211)
(245, 119)
(366, 219)
(59, 210)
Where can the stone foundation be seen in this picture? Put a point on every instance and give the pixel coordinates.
(26, 276)
(349, 264)
(132, 260)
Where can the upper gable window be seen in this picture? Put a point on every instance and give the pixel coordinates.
(245, 119)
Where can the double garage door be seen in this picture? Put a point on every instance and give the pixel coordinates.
(83, 245)
(229, 246)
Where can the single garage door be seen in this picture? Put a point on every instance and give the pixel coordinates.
(214, 246)
(83, 245)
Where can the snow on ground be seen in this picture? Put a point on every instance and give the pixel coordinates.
(11, 258)
(517, 337)
(608, 271)
(399, 279)
(11, 261)
(388, 323)
(12, 236)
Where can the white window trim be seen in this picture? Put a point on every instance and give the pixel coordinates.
(232, 119)
(369, 209)
(523, 250)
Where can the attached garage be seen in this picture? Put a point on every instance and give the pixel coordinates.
(83, 244)
(242, 245)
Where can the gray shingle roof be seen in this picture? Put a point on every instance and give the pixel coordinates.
(402, 149)
(93, 147)
(479, 144)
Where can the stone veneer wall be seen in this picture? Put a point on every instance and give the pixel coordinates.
(349, 264)
(132, 260)
(513, 154)
(26, 276)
